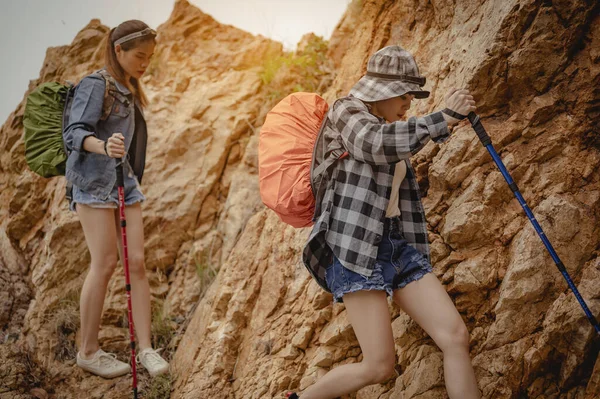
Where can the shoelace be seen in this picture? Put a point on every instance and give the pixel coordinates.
(108, 359)
(152, 357)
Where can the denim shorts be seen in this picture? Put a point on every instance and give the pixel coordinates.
(397, 264)
(133, 194)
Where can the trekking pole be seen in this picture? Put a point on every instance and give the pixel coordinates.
(121, 188)
(487, 143)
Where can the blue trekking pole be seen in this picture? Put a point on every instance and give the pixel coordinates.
(487, 143)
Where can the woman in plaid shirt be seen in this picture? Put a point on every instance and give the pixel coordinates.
(370, 234)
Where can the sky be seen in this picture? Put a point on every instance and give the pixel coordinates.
(29, 27)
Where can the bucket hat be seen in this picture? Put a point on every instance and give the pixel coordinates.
(391, 72)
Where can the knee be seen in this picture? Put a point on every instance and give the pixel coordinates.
(136, 266)
(381, 370)
(455, 338)
(104, 267)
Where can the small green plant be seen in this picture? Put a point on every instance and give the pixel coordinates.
(63, 316)
(163, 328)
(158, 387)
(205, 271)
(270, 68)
(307, 69)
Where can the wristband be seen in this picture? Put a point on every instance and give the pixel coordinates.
(105, 150)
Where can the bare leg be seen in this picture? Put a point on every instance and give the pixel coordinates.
(370, 318)
(140, 289)
(99, 230)
(427, 302)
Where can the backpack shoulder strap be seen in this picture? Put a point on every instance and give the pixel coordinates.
(109, 97)
(323, 161)
(322, 165)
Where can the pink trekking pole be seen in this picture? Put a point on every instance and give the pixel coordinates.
(121, 188)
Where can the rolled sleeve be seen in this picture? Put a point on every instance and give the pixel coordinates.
(86, 111)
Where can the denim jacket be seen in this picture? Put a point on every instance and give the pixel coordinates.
(91, 172)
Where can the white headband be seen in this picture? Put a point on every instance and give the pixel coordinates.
(135, 35)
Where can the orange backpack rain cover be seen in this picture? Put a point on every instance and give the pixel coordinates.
(285, 152)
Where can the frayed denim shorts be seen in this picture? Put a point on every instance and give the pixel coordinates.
(133, 194)
(397, 265)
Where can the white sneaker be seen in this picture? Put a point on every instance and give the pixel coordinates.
(152, 361)
(103, 364)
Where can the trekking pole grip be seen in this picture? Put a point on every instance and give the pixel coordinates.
(479, 129)
(119, 168)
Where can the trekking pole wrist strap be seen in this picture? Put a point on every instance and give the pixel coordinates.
(453, 114)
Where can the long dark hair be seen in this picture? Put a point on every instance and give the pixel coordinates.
(112, 64)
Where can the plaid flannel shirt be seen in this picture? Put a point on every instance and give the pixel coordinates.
(356, 195)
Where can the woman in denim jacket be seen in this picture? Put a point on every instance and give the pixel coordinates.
(98, 134)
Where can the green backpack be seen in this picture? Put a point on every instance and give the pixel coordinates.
(46, 115)
(45, 151)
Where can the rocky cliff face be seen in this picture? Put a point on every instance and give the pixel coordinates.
(233, 305)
